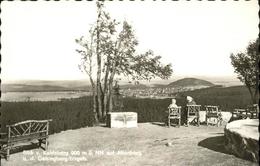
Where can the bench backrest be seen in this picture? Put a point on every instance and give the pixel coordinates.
(239, 111)
(253, 110)
(29, 127)
(193, 109)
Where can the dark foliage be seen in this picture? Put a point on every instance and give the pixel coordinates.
(66, 114)
(153, 110)
(227, 98)
(246, 65)
(77, 113)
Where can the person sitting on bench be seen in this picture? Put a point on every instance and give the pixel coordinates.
(190, 101)
(172, 105)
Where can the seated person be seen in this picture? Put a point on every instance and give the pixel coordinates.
(172, 105)
(190, 101)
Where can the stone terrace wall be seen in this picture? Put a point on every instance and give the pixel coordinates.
(241, 146)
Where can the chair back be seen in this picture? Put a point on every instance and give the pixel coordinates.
(240, 111)
(212, 110)
(175, 112)
(193, 110)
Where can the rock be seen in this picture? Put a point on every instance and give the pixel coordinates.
(122, 119)
(168, 144)
(242, 139)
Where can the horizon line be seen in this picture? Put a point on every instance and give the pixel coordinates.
(153, 81)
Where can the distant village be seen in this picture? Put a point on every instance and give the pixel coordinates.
(155, 92)
(163, 91)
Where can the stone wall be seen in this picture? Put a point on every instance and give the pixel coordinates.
(122, 119)
(243, 146)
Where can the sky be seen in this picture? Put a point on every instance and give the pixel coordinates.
(197, 38)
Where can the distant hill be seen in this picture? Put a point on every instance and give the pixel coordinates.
(190, 82)
(43, 86)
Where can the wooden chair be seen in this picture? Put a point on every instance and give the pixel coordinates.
(193, 112)
(253, 111)
(174, 113)
(213, 112)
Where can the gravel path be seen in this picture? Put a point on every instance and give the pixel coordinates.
(149, 144)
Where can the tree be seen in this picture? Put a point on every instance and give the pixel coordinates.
(246, 65)
(91, 55)
(87, 65)
(109, 52)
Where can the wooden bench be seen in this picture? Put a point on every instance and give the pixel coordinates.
(239, 113)
(193, 111)
(213, 112)
(174, 113)
(22, 132)
(253, 111)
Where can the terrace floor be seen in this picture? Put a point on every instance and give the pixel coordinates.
(149, 144)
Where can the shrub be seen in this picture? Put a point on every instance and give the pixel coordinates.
(66, 114)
